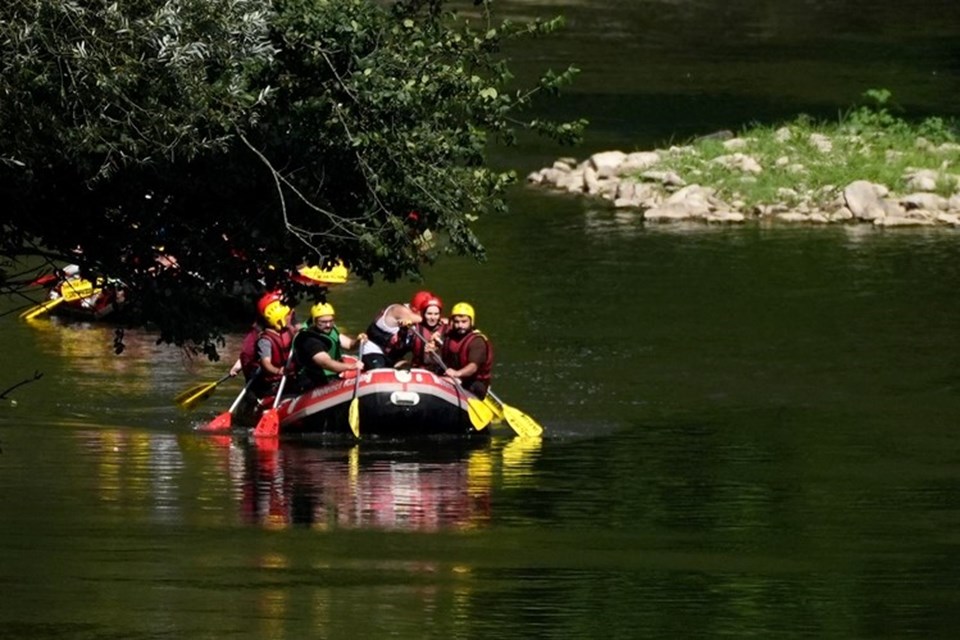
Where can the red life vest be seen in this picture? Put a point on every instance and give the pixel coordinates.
(279, 351)
(419, 356)
(248, 352)
(454, 353)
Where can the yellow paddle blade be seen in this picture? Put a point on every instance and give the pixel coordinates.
(41, 308)
(190, 391)
(353, 416)
(495, 407)
(480, 414)
(198, 396)
(520, 422)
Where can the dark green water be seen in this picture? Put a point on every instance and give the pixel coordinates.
(751, 432)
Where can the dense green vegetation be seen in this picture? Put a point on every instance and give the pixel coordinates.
(246, 137)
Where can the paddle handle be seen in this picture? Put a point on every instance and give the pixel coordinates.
(436, 356)
(243, 392)
(356, 384)
(283, 378)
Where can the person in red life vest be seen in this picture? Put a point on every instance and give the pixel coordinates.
(389, 336)
(319, 349)
(273, 346)
(247, 362)
(428, 335)
(467, 352)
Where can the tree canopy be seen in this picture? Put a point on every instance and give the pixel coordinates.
(245, 136)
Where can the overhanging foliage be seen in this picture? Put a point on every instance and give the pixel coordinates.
(243, 135)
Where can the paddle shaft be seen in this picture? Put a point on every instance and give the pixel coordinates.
(436, 356)
(353, 411)
(243, 392)
(283, 379)
(477, 418)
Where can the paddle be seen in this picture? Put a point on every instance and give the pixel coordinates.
(224, 421)
(520, 422)
(269, 424)
(480, 415)
(353, 414)
(189, 398)
(43, 307)
(495, 407)
(70, 290)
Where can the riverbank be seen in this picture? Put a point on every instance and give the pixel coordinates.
(869, 167)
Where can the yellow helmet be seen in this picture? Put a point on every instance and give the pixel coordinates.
(276, 314)
(464, 309)
(321, 309)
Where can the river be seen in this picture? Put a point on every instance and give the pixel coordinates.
(751, 431)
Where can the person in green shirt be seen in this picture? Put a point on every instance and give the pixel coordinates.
(318, 349)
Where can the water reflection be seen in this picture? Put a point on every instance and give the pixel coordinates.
(305, 485)
(425, 486)
(437, 486)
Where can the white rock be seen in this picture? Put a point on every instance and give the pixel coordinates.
(893, 209)
(552, 176)
(841, 215)
(666, 177)
(739, 162)
(591, 182)
(792, 216)
(924, 200)
(922, 180)
(736, 144)
(673, 211)
(948, 218)
(572, 181)
(821, 142)
(783, 134)
(724, 216)
(638, 161)
(920, 214)
(782, 161)
(862, 200)
(695, 198)
(605, 163)
(899, 221)
(787, 193)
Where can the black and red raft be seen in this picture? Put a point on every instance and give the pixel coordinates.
(392, 403)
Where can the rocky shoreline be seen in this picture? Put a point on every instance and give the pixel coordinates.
(642, 180)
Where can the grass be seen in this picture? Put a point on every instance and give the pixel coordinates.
(866, 143)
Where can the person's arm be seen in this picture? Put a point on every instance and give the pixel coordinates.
(324, 360)
(403, 316)
(476, 356)
(349, 344)
(265, 351)
(235, 369)
(465, 372)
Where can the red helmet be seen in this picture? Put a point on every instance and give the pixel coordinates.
(432, 301)
(419, 300)
(266, 300)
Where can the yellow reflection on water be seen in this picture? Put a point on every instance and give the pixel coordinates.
(518, 457)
